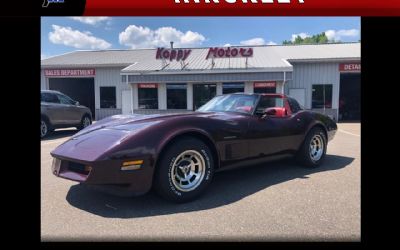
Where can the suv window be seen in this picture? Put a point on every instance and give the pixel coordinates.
(65, 99)
(294, 105)
(49, 97)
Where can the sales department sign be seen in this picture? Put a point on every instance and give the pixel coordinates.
(70, 72)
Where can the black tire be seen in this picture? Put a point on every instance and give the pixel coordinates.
(165, 179)
(305, 155)
(83, 123)
(45, 128)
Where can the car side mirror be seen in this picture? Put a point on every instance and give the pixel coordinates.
(275, 112)
(77, 104)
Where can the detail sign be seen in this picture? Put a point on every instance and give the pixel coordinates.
(229, 52)
(69, 72)
(264, 85)
(350, 67)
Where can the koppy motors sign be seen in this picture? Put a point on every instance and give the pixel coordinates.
(228, 52)
(183, 54)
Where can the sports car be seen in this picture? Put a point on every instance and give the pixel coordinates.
(178, 154)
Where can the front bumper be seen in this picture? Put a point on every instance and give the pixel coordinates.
(106, 175)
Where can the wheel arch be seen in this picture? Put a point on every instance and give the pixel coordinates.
(46, 118)
(319, 125)
(194, 133)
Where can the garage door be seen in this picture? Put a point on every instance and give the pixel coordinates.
(79, 89)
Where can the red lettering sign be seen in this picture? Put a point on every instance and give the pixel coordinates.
(228, 52)
(69, 72)
(350, 67)
(264, 85)
(173, 54)
(148, 85)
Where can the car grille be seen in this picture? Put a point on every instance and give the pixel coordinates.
(77, 167)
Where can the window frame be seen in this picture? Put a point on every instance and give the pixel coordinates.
(324, 106)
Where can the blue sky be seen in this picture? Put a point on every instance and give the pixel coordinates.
(64, 34)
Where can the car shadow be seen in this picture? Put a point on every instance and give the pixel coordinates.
(226, 188)
(57, 134)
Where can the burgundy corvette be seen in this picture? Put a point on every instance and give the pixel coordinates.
(178, 154)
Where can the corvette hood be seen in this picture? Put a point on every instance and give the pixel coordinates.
(92, 142)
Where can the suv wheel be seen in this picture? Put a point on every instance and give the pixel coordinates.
(86, 121)
(44, 128)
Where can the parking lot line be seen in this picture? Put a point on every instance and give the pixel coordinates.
(346, 132)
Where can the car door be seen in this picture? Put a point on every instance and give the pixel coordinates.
(71, 113)
(53, 109)
(272, 135)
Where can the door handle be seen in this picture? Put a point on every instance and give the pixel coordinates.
(298, 119)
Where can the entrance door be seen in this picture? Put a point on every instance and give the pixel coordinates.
(350, 97)
(126, 102)
(202, 93)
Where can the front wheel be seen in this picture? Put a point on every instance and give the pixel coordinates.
(44, 128)
(313, 150)
(86, 121)
(184, 171)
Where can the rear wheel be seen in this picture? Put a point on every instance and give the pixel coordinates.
(184, 171)
(313, 150)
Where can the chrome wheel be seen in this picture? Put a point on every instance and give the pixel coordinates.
(316, 148)
(43, 128)
(188, 170)
(86, 121)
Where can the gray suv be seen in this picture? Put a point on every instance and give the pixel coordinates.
(60, 111)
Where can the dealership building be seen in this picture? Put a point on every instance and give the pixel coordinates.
(325, 77)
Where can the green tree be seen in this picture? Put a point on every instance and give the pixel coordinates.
(318, 38)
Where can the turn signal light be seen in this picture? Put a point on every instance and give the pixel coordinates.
(132, 165)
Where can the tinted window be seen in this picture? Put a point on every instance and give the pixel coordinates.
(148, 98)
(176, 96)
(269, 102)
(322, 96)
(294, 105)
(107, 98)
(48, 97)
(234, 87)
(65, 99)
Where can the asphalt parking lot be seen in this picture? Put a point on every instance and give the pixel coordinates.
(278, 201)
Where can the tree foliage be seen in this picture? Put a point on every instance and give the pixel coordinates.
(318, 38)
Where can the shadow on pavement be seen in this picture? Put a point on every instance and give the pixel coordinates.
(57, 134)
(227, 187)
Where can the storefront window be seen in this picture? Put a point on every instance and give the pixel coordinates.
(148, 96)
(202, 93)
(176, 96)
(265, 90)
(107, 98)
(322, 96)
(265, 87)
(232, 87)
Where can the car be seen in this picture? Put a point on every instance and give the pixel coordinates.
(178, 154)
(60, 111)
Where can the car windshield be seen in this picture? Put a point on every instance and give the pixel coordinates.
(230, 103)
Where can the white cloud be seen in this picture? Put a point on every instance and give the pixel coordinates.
(335, 35)
(227, 45)
(91, 20)
(77, 39)
(143, 37)
(256, 41)
(302, 35)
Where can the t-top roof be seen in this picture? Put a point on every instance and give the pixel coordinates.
(265, 58)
